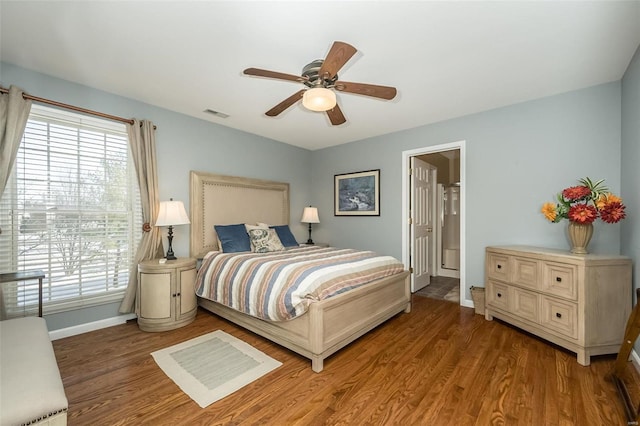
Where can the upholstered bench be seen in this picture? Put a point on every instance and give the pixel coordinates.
(31, 390)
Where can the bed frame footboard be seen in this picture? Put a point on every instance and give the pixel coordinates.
(330, 324)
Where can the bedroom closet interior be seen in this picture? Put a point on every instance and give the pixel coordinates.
(445, 276)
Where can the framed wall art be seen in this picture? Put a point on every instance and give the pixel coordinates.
(357, 194)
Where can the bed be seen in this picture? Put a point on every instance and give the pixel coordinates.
(329, 324)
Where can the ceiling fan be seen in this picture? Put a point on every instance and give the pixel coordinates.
(321, 79)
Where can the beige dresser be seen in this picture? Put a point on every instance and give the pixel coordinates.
(166, 296)
(579, 302)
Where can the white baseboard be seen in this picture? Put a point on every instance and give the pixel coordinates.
(467, 303)
(91, 326)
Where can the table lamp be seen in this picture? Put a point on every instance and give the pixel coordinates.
(310, 215)
(171, 213)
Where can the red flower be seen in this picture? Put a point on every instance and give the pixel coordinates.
(613, 212)
(576, 193)
(582, 213)
(583, 204)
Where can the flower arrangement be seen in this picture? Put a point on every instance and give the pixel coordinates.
(585, 203)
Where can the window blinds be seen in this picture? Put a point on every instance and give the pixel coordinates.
(72, 209)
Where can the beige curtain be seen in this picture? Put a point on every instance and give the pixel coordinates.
(14, 112)
(142, 141)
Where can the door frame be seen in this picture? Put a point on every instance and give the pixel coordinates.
(406, 227)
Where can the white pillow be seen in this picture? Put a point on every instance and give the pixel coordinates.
(264, 240)
(257, 226)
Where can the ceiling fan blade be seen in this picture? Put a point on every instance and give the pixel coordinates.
(383, 92)
(338, 55)
(273, 74)
(335, 116)
(285, 104)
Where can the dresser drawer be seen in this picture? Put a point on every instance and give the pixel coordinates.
(497, 295)
(560, 280)
(526, 304)
(525, 272)
(560, 316)
(498, 266)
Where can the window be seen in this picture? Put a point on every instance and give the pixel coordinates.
(72, 209)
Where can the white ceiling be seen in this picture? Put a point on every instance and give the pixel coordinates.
(447, 59)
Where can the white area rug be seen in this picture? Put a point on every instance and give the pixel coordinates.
(212, 366)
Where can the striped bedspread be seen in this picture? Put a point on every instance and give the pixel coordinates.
(279, 286)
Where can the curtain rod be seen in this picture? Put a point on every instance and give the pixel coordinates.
(71, 107)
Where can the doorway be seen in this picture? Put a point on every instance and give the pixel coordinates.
(447, 259)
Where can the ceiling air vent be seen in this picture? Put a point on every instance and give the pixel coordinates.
(216, 113)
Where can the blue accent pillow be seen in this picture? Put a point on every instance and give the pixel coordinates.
(234, 238)
(286, 237)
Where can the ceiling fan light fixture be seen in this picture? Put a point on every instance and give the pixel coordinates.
(319, 99)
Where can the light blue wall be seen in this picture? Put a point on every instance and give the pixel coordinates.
(183, 144)
(630, 241)
(517, 158)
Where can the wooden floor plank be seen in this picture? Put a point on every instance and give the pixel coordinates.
(441, 364)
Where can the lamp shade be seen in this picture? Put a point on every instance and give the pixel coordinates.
(319, 99)
(310, 215)
(172, 213)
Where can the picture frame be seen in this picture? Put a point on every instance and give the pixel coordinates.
(357, 194)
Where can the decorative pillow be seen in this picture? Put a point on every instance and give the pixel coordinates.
(258, 226)
(264, 240)
(233, 238)
(285, 235)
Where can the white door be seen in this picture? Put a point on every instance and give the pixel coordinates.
(423, 187)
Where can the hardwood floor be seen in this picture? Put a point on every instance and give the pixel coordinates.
(439, 365)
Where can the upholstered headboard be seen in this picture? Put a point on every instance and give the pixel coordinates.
(225, 200)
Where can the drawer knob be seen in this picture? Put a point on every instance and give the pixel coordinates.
(499, 294)
(499, 266)
(558, 315)
(559, 279)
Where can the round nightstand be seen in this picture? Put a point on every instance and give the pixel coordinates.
(166, 297)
